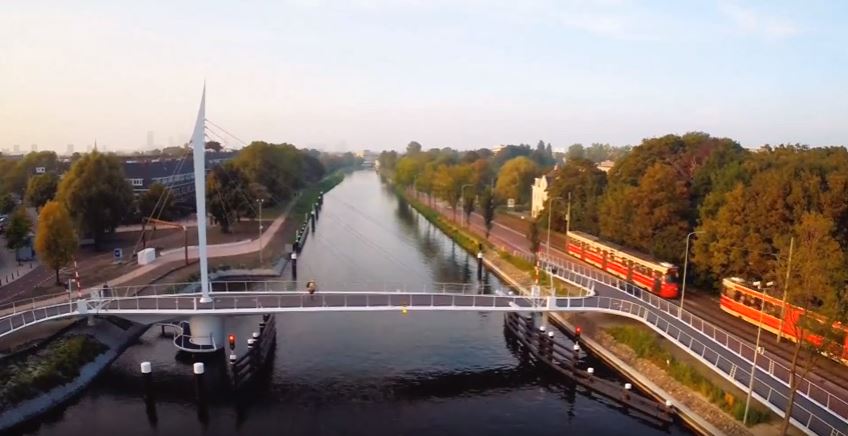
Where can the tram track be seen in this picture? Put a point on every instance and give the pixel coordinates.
(707, 308)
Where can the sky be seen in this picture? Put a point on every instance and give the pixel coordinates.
(377, 74)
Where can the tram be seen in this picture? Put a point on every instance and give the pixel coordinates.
(657, 277)
(747, 301)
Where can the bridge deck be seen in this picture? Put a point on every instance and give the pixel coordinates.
(816, 411)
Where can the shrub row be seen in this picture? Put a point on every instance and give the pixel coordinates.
(54, 365)
(645, 344)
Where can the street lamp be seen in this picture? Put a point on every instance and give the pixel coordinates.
(756, 353)
(462, 194)
(685, 265)
(760, 325)
(548, 243)
(260, 201)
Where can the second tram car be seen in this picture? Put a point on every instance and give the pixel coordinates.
(746, 301)
(657, 277)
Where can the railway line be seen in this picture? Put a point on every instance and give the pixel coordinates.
(707, 307)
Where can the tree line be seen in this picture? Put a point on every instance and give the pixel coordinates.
(89, 195)
(743, 209)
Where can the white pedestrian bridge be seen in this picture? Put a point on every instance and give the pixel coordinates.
(816, 411)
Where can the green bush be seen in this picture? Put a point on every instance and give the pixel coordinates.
(644, 343)
(58, 363)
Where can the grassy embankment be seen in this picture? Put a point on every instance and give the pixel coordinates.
(471, 242)
(645, 344)
(34, 374)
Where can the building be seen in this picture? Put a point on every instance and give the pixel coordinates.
(539, 195)
(174, 173)
(606, 166)
(369, 158)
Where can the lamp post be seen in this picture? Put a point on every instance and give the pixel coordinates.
(462, 195)
(567, 222)
(260, 231)
(760, 325)
(685, 265)
(754, 366)
(548, 243)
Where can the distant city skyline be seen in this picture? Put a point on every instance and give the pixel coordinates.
(376, 74)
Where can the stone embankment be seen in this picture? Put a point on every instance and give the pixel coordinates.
(116, 338)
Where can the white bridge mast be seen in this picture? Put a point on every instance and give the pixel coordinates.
(198, 140)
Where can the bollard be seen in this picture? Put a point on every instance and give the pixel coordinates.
(549, 346)
(149, 403)
(590, 374)
(294, 265)
(233, 358)
(261, 326)
(627, 387)
(541, 341)
(146, 375)
(479, 265)
(199, 369)
(250, 344)
(255, 335)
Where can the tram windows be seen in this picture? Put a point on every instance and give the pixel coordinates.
(737, 296)
(671, 277)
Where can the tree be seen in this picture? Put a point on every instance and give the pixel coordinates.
(41, 189)
(515, 180)
(55, 240)
(7, 203)
(659, 223)
(816, 286)
(413, 148)
(281, 168)
(96, 194)
(586, 184)
(214, 146)
(468, 203)
(533, 237)
(157, 202)
(19, 228)
(17, 178)
(575, 151)
(487, 203)
(448, 181)
(226, 187)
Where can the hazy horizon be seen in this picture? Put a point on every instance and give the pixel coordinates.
(377, 74)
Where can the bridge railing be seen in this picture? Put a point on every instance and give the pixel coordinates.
(765, 364)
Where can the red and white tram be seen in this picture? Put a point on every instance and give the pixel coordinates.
(657, 277)
(744, 300)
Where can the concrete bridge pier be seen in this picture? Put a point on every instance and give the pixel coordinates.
(207, 330)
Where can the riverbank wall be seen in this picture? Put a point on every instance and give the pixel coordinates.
(107, 333)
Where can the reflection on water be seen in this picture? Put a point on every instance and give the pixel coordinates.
(357, 373)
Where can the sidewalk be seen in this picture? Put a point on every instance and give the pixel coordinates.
(218, 250)
(10, 270)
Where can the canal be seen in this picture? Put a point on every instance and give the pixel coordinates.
(357, 373)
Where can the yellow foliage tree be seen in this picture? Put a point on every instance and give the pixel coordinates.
(55, 240)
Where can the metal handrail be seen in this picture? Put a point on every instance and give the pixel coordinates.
(666, 307)
(644, 308)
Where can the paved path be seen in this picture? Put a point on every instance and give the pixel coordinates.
(218, 250)
(10, 270)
